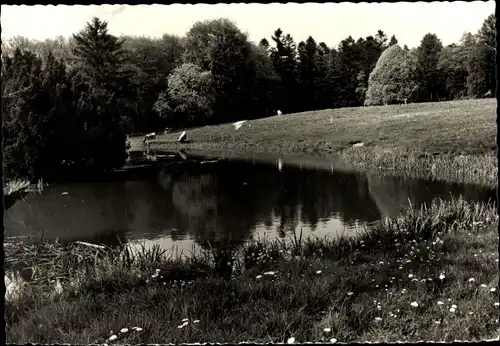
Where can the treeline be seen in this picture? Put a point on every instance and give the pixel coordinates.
(67, 104)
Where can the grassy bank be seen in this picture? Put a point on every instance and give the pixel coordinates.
(388, 284)
(457, 137)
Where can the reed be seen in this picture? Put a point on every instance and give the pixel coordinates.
(386, 284)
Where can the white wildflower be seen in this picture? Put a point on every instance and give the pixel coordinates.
(414, 304)
(290, 340)
(112, 337)
(182, 325)
(124, 330)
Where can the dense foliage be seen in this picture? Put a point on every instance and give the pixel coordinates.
(67, 104)
(393, 78)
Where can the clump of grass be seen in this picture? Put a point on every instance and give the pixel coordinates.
(472, 169)
(384, 285)
(17, 190)
(16, 185)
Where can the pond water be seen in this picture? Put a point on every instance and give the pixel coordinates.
(225, 203)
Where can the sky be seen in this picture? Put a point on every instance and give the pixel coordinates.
(330, 23)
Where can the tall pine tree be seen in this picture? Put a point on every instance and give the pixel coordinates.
(104, 95)
(430, 82)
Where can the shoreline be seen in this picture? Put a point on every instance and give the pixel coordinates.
(362, 289)
(457, 137)
(479, 169)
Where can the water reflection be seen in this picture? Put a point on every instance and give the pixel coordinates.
(222, 205)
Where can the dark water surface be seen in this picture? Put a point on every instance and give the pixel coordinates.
(225, 203)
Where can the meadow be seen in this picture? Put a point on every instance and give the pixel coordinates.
(452, 141)
(430, 274)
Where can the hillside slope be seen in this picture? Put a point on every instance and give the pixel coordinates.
(457, 138)
(458, 127)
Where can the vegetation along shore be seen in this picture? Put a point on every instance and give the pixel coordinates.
(452, 141)
(70, 104)
(429, 274)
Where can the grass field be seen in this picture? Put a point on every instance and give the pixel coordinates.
(457, 137)
(430, 274)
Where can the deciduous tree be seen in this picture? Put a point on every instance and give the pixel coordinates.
(393, 78)
(220, 47)
(189, 98)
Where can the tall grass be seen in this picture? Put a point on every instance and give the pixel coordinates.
(271, 290)
(472, 169)
(17, 190)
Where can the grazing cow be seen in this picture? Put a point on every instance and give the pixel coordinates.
(149, 136)
(182, 137)
(279, 112)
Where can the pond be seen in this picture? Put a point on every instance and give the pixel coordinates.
(223, 204)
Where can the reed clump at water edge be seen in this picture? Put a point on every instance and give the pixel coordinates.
(18, 189)
(430, 274)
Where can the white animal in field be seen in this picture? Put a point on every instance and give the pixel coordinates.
(149, 137)
(182, 137)
(239, 124)
(279, 112)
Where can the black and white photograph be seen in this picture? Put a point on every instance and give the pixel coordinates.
(250, 172)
